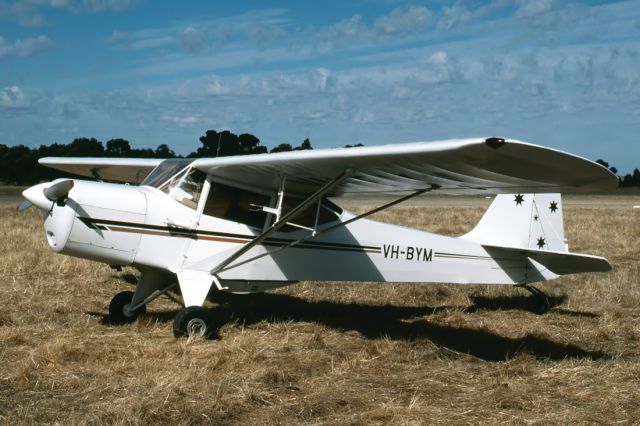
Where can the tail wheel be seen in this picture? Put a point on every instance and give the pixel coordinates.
(120, 309)
(194, 321)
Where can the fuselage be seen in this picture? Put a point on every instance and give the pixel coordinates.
(146, 227)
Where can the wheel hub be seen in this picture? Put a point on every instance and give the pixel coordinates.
(127, 311)
(196, 327)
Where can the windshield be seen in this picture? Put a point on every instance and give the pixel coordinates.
(185, 187)
(165, 170)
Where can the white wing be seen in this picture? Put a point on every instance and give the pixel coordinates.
(117, 169)
(468, 166)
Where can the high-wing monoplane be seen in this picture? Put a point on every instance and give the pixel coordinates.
(247, 224)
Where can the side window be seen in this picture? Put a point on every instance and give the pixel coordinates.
(186, 187)
(329, 212)
(235, 204)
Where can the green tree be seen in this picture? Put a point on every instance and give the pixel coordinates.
(283, 147)
(19, 164)
(85, 147)
(118, 148)
(225, 143)
(306, 144)
(630, 180)
(250, 144)
(163, 151)
(606, 164)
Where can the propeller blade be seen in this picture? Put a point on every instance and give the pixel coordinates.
(58, 190)
(24, 205)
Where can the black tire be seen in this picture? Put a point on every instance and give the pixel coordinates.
(118, 314)
(541, 304)
(194, 321)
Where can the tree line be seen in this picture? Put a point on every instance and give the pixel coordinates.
(19, 164)
(626, 181)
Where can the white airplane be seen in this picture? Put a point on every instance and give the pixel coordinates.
(248, 224)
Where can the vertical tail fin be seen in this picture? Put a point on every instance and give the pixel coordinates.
(532, 221)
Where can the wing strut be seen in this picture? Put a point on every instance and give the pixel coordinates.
(315, 232)
(282, 221)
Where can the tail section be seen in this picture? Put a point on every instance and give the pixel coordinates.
(532, 225)
(529, 221)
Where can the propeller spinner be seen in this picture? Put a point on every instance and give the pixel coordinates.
(42, 195)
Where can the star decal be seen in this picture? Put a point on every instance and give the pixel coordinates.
(541, 242)
(553, 206)
(519, 199)
(535, 217)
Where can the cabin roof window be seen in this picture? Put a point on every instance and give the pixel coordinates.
(166, 170)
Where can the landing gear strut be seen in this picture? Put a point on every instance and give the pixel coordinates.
(120, 311)
(194, 321)
(541, 302)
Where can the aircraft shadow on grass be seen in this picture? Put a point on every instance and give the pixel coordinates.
(522, 303)
(396, 323)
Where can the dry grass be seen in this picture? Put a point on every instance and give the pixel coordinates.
(337, 353)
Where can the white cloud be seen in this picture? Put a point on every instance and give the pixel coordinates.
(84, 5)
(215, 87)
(530, 8)
(193, 39)
(403, 20)
(363, 117)
(118, 37)
(344, 33)
(321, 79)
(452, 16)
(30, 13)
(182, 120)
(25, 47)
(262, 35)
(98, 5)
(13, 97)
(21, 13)
(359, 79)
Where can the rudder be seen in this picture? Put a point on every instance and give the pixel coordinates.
(531, 221)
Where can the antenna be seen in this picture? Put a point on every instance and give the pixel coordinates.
(219, 138)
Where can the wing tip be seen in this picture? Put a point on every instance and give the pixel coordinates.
(495, 142)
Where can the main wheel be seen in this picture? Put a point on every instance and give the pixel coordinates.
(119, 309)
(194, 321)
(541, 304)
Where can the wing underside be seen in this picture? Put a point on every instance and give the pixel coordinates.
(116, 169)
(469, 166)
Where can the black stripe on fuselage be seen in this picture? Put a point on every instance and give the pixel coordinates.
(103, 224)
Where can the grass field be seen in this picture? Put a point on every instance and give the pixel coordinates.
(334, 353)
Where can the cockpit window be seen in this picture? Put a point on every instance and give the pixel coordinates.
(236, 204)
(165, 170)
(185, 187)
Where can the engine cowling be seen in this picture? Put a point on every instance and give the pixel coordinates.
(93, 220)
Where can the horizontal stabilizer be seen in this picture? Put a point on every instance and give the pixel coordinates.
(560, 263)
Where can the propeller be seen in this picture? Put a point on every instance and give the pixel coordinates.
(24, 205)
(58, 191)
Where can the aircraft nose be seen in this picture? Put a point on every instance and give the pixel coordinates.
(35, 195)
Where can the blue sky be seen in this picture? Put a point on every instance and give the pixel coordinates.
(564, 74)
